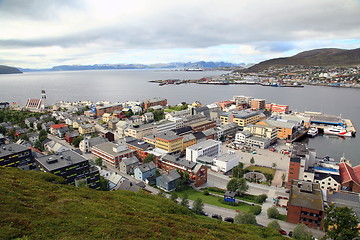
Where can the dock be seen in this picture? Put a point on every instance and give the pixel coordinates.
(350, 126)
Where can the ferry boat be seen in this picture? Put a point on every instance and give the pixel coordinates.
(313, 132)
(337, 130)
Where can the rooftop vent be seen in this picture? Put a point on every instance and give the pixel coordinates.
(51, 160)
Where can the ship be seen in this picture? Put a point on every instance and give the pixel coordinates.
(337, 130)
(313, 132)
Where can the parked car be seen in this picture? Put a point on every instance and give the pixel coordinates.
(215, 216)
(290, 233)
(205, 213)
(229, 219)
(282, 231)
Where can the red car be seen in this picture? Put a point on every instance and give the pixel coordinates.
(282, 232)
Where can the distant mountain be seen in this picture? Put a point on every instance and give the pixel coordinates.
(317, 57)
(8, 70)
(173, 65)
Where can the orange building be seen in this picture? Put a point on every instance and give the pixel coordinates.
(257, 104)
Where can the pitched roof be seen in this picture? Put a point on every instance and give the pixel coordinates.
(349, 174)
(170, 176)
(147, 167)
(57, 126)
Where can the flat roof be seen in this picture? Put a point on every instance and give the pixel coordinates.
(66, 158)
(226, 157)
(108, 148)
(306, 194)
(179, 161)
(169, 136)
(205, 144)
(11, 148)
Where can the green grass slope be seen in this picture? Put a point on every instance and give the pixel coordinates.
(33, 207)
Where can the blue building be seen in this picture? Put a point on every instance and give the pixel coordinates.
(168, 180)
(144, 171)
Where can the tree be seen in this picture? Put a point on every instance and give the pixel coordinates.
(98, 161)
(184, 201)
(341, 223)
(129, 113)
(302, 232)
(76, 141)
(38, 126)
(261, 198)
(174, 197)
(149, 158)
(38, 145)
(274, 165)
(237, 185)
(241, 165)
(24, 137)
(273, 213)
(42, 135)
(232, 185)
(81, 183)
(252, 160)
(245, 218)
(235, 172)
(198, 206)
(104, 184)
(274, 225)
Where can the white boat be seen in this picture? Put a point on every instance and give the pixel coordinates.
(337, 130)
(313, 132)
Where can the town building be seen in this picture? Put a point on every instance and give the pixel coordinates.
(350, 177)
(34, 104)
(145, 171)
(70, 136)
(55, 147)
(210, 148)
(139, 132)
(277, 108)
(197, 172)
(4, 105)
(169, 142)
(257, 104)
(241, 118)
(226, 162)
(100, 110)
(300, 159)
(154, 102)
(164, 126)
(111, 153)
(127, 165)
(189, 140)
(87, 144)
(16, 155)
(203, 125)
(227, 130)
(86, 129)
(59, 129)
(71, 166)
(306, 204)
(263, 131)
(168, 181)
(141, 147)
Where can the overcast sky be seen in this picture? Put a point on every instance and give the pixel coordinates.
(44, 33)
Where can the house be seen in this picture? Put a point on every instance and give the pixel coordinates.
(46, 126)
(87, 144)
(106, 117)
(144, 171)
(2, 139)
(55, 147)
(55, 127)
(229, 196)
(15, 155)
(86, 128)
(112, 154)
(127, 165)
(70, 136)
(306, 204)
(350, 177)
(112, 123)
(31, 122)
(328, 181)
(71, 166)
(197, 172)
(33, 137)
(168, 181)
(148, 117)
(130, 186)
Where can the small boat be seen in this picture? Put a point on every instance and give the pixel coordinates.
(338, 131)
(313, 132)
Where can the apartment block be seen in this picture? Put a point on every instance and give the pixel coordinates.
(169, 142)
(210, 148)
(112, 154)
(16, 155)
(241, 118)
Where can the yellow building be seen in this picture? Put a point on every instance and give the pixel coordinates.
(241, 118)
(189, 140)
(169, 142)
(263, 131)
(86, 129)
(284, 130)
(107, 117)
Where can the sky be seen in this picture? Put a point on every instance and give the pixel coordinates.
(46, 33)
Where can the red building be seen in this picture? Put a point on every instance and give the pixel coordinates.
(141, 148)
(155, 102)
(203, 125)
(257, 104)
(70, 136)
(273, 107)
(306, 204)
(196, 171)
(350, 177)
(108, 109)
(112, 154)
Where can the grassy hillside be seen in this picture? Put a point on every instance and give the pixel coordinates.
(317, 57)
(8, 70)
(33, 207)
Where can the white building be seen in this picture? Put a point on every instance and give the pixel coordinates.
(164, 126)
(210, 148)
(179, 122)
(226, 162)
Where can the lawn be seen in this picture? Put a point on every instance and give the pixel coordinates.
(213, 200)
(245, 197)
(261, 169)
